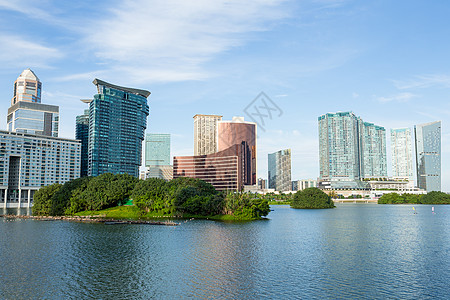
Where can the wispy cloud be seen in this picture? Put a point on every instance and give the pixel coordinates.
(401, 97)
(17, 51)
(176, 36)
(28, 8)
(424, 81)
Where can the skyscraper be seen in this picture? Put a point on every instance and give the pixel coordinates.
(27, 114)
(82, 134)
(205, 134)
(117, 121)
(157, 156)
(373, 150)
(239, 132)
(349, 148)
(401, 148)
(428, 155)
(279, 165)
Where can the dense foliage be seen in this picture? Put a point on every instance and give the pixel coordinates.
(430, 198)
(311, 198)
(178, 197)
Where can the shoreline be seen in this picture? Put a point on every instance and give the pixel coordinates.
(90, 219)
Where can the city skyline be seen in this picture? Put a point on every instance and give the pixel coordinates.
(309, 58)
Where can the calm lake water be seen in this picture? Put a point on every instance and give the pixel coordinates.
(363, 251)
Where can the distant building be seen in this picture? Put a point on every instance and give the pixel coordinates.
(28, 162)
(27, 114)
(279, 165)
(300, 185)
(401, 148)
(428, 155)
(117, 121)
(157, 149)
(82, 134)
(162, 172)
(205, 134)
(262, 184)
(350, 149)
(239, 132)
(223, 169)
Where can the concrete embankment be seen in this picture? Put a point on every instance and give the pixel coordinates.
(90, 219)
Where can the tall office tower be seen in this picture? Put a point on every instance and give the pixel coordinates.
(239, 132)
(279, 166)
(27, 114)
(157, 156)
(428, 155)
(401, 148)
(373, 150)
(339, 146)
(205, 134)
(82, 134)
(117, 121)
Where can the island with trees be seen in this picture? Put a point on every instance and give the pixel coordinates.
(429, 198)
(105, 195)
(311, 198)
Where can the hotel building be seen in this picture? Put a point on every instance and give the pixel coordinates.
(401, 148)
(28, 162)
(117, 121)
(205, 134)
(428, 155)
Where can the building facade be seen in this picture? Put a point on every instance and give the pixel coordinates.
(162, 172)
(350, 149)
(82, 134)
(300, 185)
(279, 169)
(28, 162)
(157, 149)
(401, 149)
(117, 121)
(223, 169)
(239, 132)
(373, 150)
(428, 155)
(27, 114)
(205, 134)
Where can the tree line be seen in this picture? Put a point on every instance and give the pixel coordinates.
(429, 198)
(178, 197)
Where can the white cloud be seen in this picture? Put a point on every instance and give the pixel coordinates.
(401, 97)
(16, 51)
(143, 38)
(424, 81)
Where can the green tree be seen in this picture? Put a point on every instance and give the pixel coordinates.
(42, 202)
(311, 198)
(61, 199)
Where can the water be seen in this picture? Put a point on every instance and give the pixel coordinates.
(363, 251)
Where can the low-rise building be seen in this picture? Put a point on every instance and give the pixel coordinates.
(28, 162)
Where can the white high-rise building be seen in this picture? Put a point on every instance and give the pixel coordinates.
(205, 134)
(401, 147)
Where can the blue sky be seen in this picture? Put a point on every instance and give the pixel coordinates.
(387, 61)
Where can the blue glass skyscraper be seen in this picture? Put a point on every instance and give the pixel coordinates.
(157, 149)
(117, 121)
(428, 155)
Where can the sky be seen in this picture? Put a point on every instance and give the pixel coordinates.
(387, 61)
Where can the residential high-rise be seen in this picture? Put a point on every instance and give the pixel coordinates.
(350, 149)
(28, 162)
(428, 155)
(373, 150)
(27, 114)
(117, 121)
(279, 165)
(300, 185)
(239, 132)
(82, 134)
(205, 134)
(157, 156)
(401, 148)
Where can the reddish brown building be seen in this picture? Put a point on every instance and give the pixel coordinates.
(238, 132)
(223, 169)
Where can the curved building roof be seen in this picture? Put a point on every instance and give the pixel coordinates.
(143, 93)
